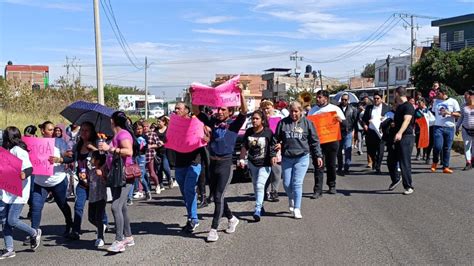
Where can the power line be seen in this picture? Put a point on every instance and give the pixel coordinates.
(121, 42)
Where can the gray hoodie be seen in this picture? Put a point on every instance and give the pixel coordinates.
(298, 138)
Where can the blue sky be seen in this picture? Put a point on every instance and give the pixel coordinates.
(209, 32)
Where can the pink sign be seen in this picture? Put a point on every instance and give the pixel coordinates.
(184, 134)
(224, 95)
(10, 171)
(40, 151)
(273, 123)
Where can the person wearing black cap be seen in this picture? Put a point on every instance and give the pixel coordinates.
(371, 120)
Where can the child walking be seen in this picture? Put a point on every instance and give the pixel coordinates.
(97, 195)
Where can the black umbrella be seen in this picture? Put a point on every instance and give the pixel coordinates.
(99, 115)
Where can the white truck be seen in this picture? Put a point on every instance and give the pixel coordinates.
(136, 104)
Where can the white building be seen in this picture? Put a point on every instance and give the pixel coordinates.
(398, 73)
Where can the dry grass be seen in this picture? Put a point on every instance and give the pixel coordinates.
(21, 120)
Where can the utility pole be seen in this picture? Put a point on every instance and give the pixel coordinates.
(295, 58)
(413, 41)
(67, 70)
(146, 89)
(387, 61)
(98, 55)
(320, 79)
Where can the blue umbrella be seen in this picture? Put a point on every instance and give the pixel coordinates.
(99, 115)
(352, 97)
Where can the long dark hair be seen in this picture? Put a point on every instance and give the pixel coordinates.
(122, 121)
(12, 138)
(93, 136)
(263, 117)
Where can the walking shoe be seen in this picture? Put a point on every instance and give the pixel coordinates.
(128, 241)
(447, 170)
(291, 205)
(233, 222)
(427, 161)
(203, 204)
(99, 243)
(74, 236)
(162, 187)
(36, 240)
(433, 167)
(158, 190)
(359, 153)
(332, 190)
(148, 196)
(67, 232)
(116, 247)
(175, 184)
(129, 202)
(193, 224)
(6, 254)
(212, 236)
(138, 195)
(273, 197)
(340, 173)
(27, 241)
(394, 185)
(50, 198)
(417, 158)
(316, 195)
(297, 213)
(256, 215)
(408, 191)
(467, 167)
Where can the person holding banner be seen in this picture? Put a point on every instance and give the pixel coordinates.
(224, 132)
(258, 148)
(11, 204)
(125, 145)
(275, 175)
(56, 184)
(329, 149)
(404, 139)
(188, 163)
(371, 120)
(296, 137)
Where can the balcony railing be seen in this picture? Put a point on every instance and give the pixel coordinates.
(455, 46)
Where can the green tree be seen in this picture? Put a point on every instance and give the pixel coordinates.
(111, 93)
(339, 88)
(369, 71)
(453, 69)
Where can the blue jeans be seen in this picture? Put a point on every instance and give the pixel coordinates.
(346, 144)
(294, 170)
(10, 214)
(142, 179)
(164, 167)
(443, 140)
(39, 196)
(187, 178)
(259, 178)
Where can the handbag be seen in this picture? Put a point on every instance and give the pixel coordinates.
(132, 171)
(116, 175)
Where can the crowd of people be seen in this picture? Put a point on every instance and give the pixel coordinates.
(86, 165)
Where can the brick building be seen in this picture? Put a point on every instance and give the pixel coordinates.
(25, 74)
(254, 86)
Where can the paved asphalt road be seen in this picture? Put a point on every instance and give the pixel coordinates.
(362, 224)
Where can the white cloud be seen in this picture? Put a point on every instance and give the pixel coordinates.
(220, 31)
(213, 19)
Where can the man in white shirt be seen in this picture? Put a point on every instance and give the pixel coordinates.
(371, 120)
(329, 149)
(446, 111)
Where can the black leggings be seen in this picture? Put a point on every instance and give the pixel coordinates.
(204, 175)
(220, 177)
(96, 216)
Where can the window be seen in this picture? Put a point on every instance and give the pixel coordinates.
(383, 75)
(459, 36)
(401, 73)
(444, 41)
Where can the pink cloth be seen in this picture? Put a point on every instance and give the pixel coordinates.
(118, 138)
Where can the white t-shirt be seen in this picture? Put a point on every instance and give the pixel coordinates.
(59, 173)
(9, 198)
(326, 109)
(451, 105)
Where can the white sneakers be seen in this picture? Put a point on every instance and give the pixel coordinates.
(291, 205)
(99, 243)
(138, 195)
(158, 190)
(213, 236)
(297, 213)
(408, 191)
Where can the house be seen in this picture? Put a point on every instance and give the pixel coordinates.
(361, 82)
(397, 74)
(253, 84)
(455, 33)
(35, 76)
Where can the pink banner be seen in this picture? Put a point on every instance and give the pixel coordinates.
(184, 134)
(10, 171)
(40, 151)
(224, 95)
(273, 122)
